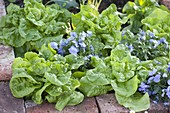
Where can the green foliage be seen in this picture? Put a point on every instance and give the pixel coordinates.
(127, 88)
(100, 60)
(12, 0)
(158, 22)
(146, 45)
(123, 64)
(138, 10)
(66, 3)
(34, 25)
(105, 26)
(50, 79)
(57, 78)
(136, 102)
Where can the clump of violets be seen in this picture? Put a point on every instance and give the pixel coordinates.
(75, 44)
(145, 45)
(158, 83)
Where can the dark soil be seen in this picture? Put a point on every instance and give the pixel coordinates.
(118, 3)
(104, 4)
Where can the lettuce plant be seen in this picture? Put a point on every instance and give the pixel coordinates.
(138, 10)
(105, 26)
(158, 22)
(39, 79)
(30, 27)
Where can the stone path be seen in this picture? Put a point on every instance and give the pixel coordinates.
(9, 104)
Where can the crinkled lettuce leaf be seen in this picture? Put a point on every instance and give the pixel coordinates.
(95, 81)
(158, 22)
(69, 99)
(74, 61)
(136, 102)
(23, 84)
(123, 64)
(37, 97)
(127, 88)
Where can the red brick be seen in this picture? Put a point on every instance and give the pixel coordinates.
(108, 104)
(6, 54)
(6, 59)
(2, 8)
(8, 103)
(166, 3)
(87, 106)
(157, 108)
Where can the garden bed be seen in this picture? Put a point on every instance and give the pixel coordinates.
(76, 73)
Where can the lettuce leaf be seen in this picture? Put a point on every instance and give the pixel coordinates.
(96, 81)
(136, 102)
(123, 64)
(158, 22)
(69, 99)
(127, 88)
(22, 84)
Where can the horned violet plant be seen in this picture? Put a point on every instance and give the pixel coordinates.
(145, 44)
(157, 83)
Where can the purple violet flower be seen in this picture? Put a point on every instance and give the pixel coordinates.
(155, 102)
(142, 38)
(168, 92)
(164, 75)
(142, 32)
(153, 41)
(143, 87)
(89, 33)
(163, 40)
(73, 34)
(83, 35)
(62, 43)
(73, 50)
(61, 51)
(92, 48)
(153, 72)
(168, 82)
(166, 103)
(70, 39)
(131, 48)
(82, 44)
(75, 43)
(168, 69)
(54, 45)
(150, 79)
(157, 78)
(151, 34)
(163, 92)
(156, 43)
